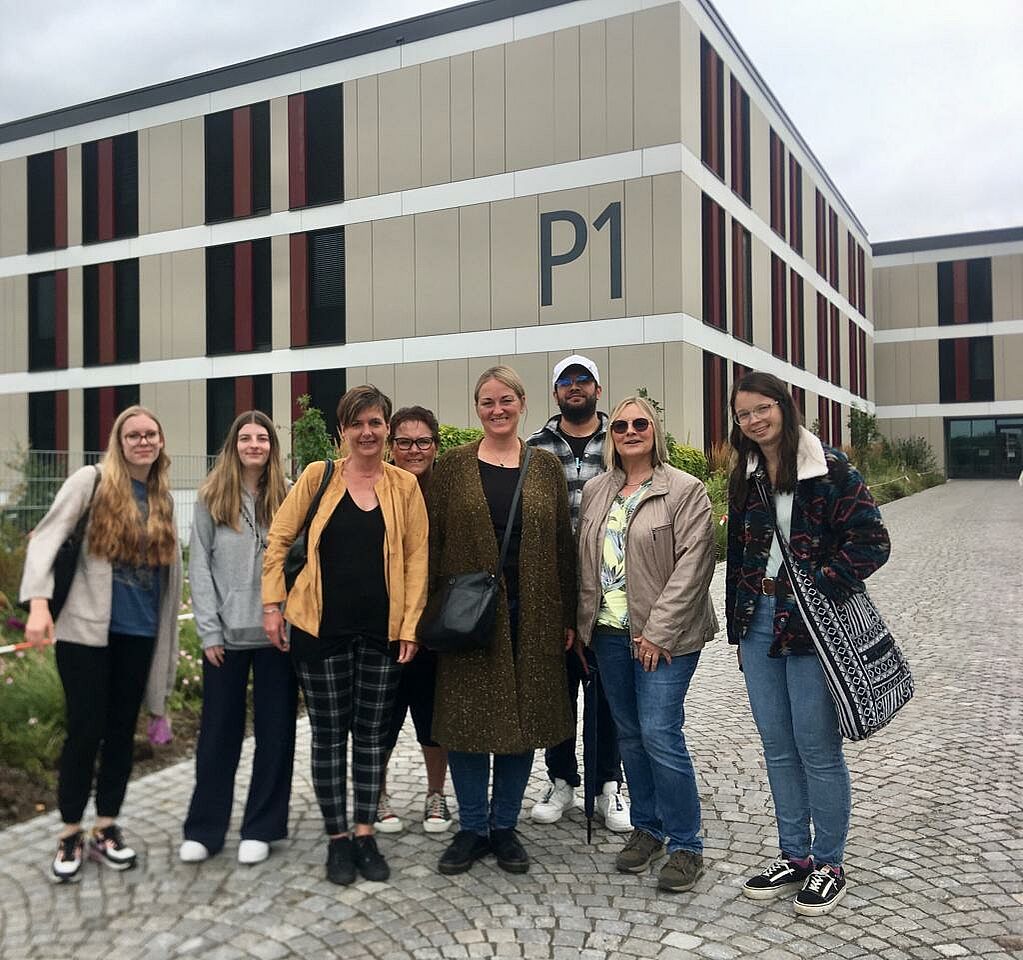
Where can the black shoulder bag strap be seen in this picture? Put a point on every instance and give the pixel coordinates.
(788, 560)
(328, 471)
(511, 512)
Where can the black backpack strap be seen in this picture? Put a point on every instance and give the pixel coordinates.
(328, 470)
(514, 506)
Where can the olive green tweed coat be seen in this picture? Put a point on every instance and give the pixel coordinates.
(490, 701)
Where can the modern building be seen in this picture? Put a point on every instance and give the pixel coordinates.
(509, 180)
(948, 313)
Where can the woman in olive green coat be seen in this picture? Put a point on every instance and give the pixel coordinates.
(511, 698)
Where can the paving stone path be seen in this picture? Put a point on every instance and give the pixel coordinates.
(934, 856)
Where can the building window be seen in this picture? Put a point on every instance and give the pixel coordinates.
(861, 290)
(226, 397)
(318, 287)
(742, 283)
(712, 109)
(47, 320)
(713, 263)
(324, 388)
(795, 205)
(740, 140)
(110, 313)
(797, 323)
(966, 370)
(964, 291)
(820, 210)
(315, 145)
(836, 347)
(47, 420)
(110, 188)
(854, 362)
(777, 185)
(46, 180)
(822, 337)
(238, 162)
(715, 400)
(850, 269)
(101, 405)
(238, 312)
(833, 248)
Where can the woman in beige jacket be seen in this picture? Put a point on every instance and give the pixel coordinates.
(646, 558)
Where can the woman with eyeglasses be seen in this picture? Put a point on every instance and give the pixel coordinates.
(230, 525)
(117, 633)
(819, 502)
(646, 558)
(353, 610)
(415, 440)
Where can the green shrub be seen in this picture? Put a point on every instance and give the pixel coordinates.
(456, 436)
(187, 692)
(31, 712)
(862, 432)
(309, 438)
(915, 453)
(690, 459)
(12, 560)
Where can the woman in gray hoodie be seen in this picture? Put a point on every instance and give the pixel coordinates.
(229, 529)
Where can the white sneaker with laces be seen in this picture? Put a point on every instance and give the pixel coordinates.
(192, 851)
(613, 808)
(253, 851)
(557, 798)
(436, 816)
(387, 820)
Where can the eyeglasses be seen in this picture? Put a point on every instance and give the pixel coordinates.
(150, 436)
(640, 425)
(406, 443)
(580, 380)
(760, 411)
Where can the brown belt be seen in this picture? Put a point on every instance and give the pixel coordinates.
(772, 587)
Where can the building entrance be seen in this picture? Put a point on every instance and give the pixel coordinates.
(984, 448)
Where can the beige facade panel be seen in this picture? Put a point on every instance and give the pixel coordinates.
(658, 72)
(884, 380)
(181, 408)
(154, 306)
(280, 292)
(514, 255)
(14, 324)
(193, 171)
(529, 101)
(383, 376)
(279, 152)
(923, 372)
(75, 318)
(690, 74)
(637, 237)
(13, 421)
(692, 251)
(592, 86)
(570, 282)
(566, 95)
(393, 278)
(927, 291)
(905, 373)
(358, 282)
(280, 387)
(761, 291)
(666, 191)
(809, 327)
(607, 201)
(474, 267)
(1008, 357)
(75, 421)
(366, 138)
(13, 207)
(488, 102)
(932, 429)
(187, 334)
(416, 383)
(463, 112)
(1007, 288)
(454, 396)
(74, 195)
(435, 113)
(619, 89)
(400, 121)
(633, 367)
(535, 372)
(160, 181)
(760, 166)
(436, 273)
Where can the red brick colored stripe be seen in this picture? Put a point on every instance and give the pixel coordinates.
(244, 394)
(241, 126)
(60, 198)
(107, 308)
(296, 151)
(107, 411)
(299, 386)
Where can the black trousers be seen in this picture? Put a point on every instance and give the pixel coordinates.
(561, 759)
(221, 731)
(103, 690)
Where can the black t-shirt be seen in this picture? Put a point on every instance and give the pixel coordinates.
(352, 580)
(499, 488)
(578, 444)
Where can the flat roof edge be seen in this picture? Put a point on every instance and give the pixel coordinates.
(975, 238)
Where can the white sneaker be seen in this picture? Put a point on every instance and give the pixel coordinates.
(557, 798)
(613, 808)
(387, 820)
(253, 851)
(192, 851)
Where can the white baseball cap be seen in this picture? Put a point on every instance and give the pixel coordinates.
(575, 361)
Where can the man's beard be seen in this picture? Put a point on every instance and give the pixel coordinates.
(579, 414)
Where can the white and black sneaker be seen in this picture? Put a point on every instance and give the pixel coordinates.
(67, 864)
(781, 878)
(107, 846)
(821, 891)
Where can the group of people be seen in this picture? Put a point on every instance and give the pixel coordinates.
(605, 581)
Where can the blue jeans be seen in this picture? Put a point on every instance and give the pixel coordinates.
(470, 774)
(802, 744)
(649, 712)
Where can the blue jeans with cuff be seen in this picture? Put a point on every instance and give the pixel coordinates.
(470, 774)
(802, 744)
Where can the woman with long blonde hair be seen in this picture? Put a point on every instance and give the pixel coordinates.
(116, 635)
(229, 536)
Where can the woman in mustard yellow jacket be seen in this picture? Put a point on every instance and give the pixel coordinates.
(353, 612)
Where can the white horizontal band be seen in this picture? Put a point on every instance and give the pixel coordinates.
(949, 253)
(910, 411)
(955, 331)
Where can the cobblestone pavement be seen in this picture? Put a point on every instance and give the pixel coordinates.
(933, 857)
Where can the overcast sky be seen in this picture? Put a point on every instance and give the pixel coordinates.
(915, 107)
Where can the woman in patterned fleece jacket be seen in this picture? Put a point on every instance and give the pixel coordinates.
(833, 526)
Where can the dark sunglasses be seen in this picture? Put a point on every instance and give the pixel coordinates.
(640, 425)
(580, 380)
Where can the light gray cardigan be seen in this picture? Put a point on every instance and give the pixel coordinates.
(85, 617)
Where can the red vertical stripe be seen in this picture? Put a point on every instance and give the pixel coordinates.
(107, 312)
(836, 348)
(836, 423)
(962, 366)
(242, 142)
(299, 291)
(62, 418)
(244, 394)
(716, 392)
(822, 337)
(243, 335)
(960, 293)
(823, 419)
(296, 150)
(850, 256)
(861, 290)
(105, 188)
(863, 363)
(60, 198)
(107, 411)
(299, 386)
(60, 311)
(796, 317)
(854, 366)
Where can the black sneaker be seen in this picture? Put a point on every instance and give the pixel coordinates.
(781, 878)
(107, 846)
(341, 861)
(464, 850)
(370, 861)
(821, 891)
(67, 864)
(511, 855)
